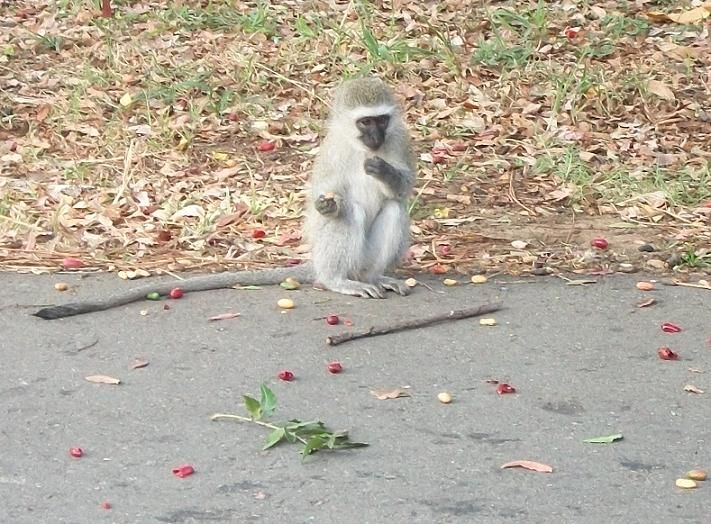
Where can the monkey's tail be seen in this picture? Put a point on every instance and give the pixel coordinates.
(302, 273)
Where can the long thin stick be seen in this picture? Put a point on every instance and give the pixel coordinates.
(376, 331)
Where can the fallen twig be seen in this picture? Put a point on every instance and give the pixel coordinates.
(675, 282)
(374, 331)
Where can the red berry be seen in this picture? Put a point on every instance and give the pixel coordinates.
(286, 375)
(332, 320)
(335, 367)
(505, 389)
(439, 269)
(106, 505)
(667, 354)
(176, 292)
(571, 32)
(72, 263)
(265, 146)
(599, 243)
(438, 159)
(258, 233)
(183, 471)
(76, 452)
(446, 250)
(668, 327)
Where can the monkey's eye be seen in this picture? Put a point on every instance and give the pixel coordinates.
(365, 122)
(383, 120)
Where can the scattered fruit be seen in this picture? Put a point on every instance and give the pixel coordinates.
(183, 471)
(335, 367)
(72, 263)
(61, 286)
(153, 295)
(667, 354)
(285, 303)
(258, 233)
(668, 327)
(444, 397)
(439, 269)
(122, 275)
(685, 483)
(332, 320)
(290, 284)
(505, 389)
(645, 286)
(176, 293)
(410, 282)
(265, 146)
(487, 321)
(478, 279)
(76, 452)
(106, 505)
(599, 243)
(696, 474)
(446, 250)
(449, 282)
(286, 375)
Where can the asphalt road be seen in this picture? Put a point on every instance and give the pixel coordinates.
(582, 358)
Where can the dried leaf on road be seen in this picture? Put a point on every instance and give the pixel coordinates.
(103, 379)
(529, 464)
(138, 364)
(693, 389)
(607, 439)
(224, 316)
(387, 394)
(647, 303)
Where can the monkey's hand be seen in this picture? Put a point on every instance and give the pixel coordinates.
(387, 174)
(328, 204)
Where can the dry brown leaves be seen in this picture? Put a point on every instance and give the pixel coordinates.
(138, 141)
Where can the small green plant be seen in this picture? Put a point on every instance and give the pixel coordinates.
(312, 434)
(693, 258)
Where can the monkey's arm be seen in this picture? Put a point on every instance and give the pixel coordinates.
(398, 180)
(303, 273)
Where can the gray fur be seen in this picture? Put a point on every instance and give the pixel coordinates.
(353, 246)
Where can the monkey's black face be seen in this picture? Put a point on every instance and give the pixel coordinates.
(372, 130)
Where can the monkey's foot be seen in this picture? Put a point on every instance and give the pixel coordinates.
(357, 289)
(393, 285)
(327, 204)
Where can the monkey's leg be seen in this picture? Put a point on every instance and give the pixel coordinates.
(387, 241)
(337, 254)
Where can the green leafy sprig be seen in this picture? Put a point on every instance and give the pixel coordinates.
(312, 434)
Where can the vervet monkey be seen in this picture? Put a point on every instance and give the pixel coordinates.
(357, 219)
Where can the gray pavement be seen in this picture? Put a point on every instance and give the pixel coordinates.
(583, 359)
